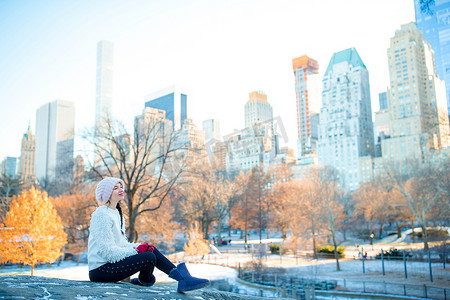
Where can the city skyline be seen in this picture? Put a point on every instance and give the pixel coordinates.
(207, 48)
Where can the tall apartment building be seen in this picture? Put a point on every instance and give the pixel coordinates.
(249, 148)
(433, 20)
(104, 83)
(173, 100)
(78, 169)
(191, 136)
(307, 94)
(211, 127)
(418, 117)
(55, 124)
(27, 160)
(152, 128)
(257, 109)
(103, 97)
(346, 129)
(8, 167)
(382, 100)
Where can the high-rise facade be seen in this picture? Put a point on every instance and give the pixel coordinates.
(104, 83)
(418, 117)
(257, 109)
(307, 94)
(191, 136)
(154, 137)
(211, 127)
(382, 100)
(434, 21)
(55, 126)
(27, 159)
(173, 100)
(8, 166)
(249, 148)
(345, 129)
(103, 96)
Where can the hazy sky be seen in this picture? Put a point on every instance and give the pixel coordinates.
(219, 51)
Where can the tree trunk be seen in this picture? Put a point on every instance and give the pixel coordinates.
(336, 254)
(32, 269)
(425, 238)
(399, 229)
(260, 221)
(314, 246)
(245, 237)
(219, 229)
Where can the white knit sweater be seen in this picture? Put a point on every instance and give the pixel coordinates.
(106, 242)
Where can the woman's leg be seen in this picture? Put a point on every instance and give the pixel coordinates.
(143, 262)
(163, 263)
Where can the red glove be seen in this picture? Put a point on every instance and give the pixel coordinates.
(145, 248)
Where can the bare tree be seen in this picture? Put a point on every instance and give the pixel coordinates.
(243, 210)
(330, 200)
(372, 201)
(419, 186)
(149, 160)
(258, 190)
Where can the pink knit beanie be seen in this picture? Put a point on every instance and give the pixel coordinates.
(105, 187)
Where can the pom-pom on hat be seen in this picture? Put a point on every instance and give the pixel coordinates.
(105, 187)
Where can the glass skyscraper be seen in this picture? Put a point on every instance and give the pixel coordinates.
(434, 21)
(173, 100)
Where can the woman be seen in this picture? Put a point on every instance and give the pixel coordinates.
(112, 258)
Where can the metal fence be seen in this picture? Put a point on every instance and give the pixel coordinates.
(428, 266)
(287, 286)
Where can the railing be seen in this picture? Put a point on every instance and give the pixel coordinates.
(301, 288)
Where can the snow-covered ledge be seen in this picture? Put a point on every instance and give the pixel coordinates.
(33, 287)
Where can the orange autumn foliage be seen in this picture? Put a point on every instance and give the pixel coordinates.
(33, 233)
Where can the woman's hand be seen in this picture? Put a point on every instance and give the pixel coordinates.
(145, 248)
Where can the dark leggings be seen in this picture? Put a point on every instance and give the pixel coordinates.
(144, 263)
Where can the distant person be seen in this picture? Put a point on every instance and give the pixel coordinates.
(113, 258)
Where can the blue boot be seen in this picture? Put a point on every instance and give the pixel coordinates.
(137, 281)
(185, 281)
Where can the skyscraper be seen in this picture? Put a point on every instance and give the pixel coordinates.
(173, 100)
(382, 98)
(103, 95)
(27, 157)
(154, 137)
(55, 123)
(257, 109)
(211, 127)
(418, 117)
(345, 130)
(307, 94)
(434, 21)
(8, 167)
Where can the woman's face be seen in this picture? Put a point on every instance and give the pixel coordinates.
(117, 193)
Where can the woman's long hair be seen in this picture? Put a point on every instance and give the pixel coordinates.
(121, 217)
